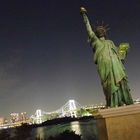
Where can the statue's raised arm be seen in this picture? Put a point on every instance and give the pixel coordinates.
(90, 32)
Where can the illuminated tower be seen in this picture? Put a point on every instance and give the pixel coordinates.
(63, 113)
(72, 108)
(38, 116)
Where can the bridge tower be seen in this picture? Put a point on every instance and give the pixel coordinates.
(72, 108)
(62, 112)
(38, 116)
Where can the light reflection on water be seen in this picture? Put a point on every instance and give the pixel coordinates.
(40, 133)
(86, 129)
(75, 126)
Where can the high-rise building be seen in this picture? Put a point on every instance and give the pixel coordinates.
(19, 117)
(23, 116)
(15, 117)
(2, 120)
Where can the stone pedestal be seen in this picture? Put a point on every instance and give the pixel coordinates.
(121, 123)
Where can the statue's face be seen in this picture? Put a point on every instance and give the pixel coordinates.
(100, 32)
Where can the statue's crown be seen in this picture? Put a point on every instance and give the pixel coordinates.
(100, 30)
(102, 27)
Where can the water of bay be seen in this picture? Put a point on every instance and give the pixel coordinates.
(87, 129)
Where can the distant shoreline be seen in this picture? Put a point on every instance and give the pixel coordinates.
(62, 121)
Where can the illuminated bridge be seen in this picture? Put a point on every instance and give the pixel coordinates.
(69, 109)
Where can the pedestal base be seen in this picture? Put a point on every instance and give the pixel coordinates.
(121, 123)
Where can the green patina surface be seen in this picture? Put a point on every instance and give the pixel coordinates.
(108, 59)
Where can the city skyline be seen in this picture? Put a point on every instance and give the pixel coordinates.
(70, 108)
(45, 58)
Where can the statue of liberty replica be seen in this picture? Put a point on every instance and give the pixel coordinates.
(109, 61)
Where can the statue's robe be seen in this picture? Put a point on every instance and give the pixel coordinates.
(111, 71)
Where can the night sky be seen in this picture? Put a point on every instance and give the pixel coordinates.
(45, 58)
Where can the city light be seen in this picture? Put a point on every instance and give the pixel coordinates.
(70, 109)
